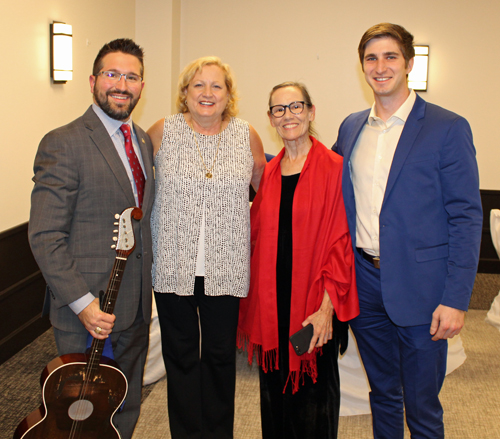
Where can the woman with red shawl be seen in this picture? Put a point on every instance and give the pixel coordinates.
(302, 271)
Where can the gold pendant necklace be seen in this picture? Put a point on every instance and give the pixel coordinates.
(208, 171)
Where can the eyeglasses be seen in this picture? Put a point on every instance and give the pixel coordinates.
(296, 107)
(111, 76)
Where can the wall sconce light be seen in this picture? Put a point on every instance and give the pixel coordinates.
(61, 38)
(417, 79)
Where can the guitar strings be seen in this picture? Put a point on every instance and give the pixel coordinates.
(76, 427)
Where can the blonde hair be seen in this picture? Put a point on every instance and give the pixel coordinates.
(196, 66)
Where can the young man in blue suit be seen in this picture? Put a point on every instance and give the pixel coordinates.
(411, 191)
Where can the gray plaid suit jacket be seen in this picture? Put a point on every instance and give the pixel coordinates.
(80, 184)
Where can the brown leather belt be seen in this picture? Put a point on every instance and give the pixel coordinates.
(374, 260)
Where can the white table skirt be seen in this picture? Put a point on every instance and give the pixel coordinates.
(493, 316)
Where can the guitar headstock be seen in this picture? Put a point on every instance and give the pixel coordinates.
(125, 241)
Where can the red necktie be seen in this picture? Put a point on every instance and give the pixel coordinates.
(133, 161)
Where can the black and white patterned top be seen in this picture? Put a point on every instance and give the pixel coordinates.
(183, 191)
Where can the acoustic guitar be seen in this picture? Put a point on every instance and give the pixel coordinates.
(82, 392)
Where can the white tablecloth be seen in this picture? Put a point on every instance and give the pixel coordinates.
(155, 368)
(493, 316)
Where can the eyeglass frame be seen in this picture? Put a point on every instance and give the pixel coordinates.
(289, 109)
(121, 75)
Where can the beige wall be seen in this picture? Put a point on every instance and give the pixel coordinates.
(158, 31)
(268, 42)
(31, 105)
(264, 41)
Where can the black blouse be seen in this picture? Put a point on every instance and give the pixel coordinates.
(284, 258)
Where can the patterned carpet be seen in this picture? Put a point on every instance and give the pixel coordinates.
(470, 396)
(486, 287)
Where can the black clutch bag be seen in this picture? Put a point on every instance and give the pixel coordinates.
(302, 339)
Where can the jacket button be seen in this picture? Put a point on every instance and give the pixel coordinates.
(139, 256)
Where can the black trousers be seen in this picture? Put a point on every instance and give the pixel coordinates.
(201, 368)
(310, 413)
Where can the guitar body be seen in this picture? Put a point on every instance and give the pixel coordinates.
(82, 392)
(65, 414)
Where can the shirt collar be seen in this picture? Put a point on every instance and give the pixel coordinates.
(111, 125)
(401, 113)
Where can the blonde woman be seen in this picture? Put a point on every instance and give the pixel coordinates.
(205, 160)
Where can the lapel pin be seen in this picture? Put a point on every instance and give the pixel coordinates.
(143, 141)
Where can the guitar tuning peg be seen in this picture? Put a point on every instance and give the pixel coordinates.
(115, 238)
(115, 231)
(113, 246)
(116, 223)
(117, 216)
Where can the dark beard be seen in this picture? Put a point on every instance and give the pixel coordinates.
(116, 113)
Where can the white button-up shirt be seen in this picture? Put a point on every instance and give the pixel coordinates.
(370, 164)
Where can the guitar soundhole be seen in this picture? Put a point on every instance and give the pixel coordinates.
(80, 410)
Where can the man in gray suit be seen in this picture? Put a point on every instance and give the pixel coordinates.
(84, 175)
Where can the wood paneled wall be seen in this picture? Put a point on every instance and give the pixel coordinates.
(22, 291)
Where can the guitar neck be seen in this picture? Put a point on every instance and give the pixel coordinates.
(108, 306)
(115, 280)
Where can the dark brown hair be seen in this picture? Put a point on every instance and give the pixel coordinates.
(389, 30)
(124, 45)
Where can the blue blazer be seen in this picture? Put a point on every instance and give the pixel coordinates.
(431, 216)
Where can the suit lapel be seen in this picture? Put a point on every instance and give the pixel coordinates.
(350, 142)
(354, 134)
(412, 127)
(100, 137)
(348, 189)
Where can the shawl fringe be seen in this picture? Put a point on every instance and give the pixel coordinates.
(269, 361)
(307, 367)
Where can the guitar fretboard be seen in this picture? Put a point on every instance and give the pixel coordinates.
(108, 306)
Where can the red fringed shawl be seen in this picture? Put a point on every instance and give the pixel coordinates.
(322, 259)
